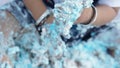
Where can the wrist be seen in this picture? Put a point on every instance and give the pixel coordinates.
(85, 16)
(88, 16)
(36, 11)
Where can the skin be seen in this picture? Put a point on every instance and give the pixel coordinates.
(9, 23)
(103, 17)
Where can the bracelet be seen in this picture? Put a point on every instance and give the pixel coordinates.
(94, 16)
(46, 14)
(41, 21)
(43, 17)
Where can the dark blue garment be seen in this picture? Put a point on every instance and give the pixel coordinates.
(95, 2)
(77, 35)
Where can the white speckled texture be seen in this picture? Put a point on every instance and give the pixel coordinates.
(30, 50)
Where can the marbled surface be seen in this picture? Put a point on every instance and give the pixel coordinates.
(28, 49)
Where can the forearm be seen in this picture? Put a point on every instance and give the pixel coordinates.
(105, 14)
(37, 8)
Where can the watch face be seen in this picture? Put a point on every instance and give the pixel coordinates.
(2, 2)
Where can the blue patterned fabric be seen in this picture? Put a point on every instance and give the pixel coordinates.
(22, 14)
(87, 47)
